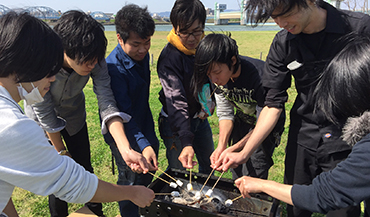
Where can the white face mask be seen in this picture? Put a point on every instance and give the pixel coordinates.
(31, 98)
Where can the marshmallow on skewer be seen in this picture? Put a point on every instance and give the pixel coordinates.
(209, 193)
(173, 185)
(179, 183)
(175, 194)
(197, 195)
(228, 202)
(189, 186)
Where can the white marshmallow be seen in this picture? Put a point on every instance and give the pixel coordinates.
(197, 195)
(228, 202)
(189, 186)
(173, 185)
(209, 193)
(179, 183)
(175, 193)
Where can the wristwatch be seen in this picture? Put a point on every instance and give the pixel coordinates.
(63, 152)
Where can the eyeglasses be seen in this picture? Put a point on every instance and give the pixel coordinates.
(187, 35)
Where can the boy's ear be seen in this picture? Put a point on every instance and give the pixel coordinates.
(233, 60)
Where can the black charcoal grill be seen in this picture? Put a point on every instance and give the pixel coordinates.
(259, 205)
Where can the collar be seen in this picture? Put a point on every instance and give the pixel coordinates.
(6, 95)
(173, 39)
(125, 59)
(332, 25)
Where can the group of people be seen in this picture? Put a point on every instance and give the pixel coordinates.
(46, 150)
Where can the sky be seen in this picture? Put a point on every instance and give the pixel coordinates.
(109, 6)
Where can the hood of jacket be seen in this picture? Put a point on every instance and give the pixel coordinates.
(356, 128)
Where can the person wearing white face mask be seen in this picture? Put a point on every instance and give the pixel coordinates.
(27, 160)
(32, 97)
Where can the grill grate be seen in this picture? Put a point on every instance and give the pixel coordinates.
(162, 206)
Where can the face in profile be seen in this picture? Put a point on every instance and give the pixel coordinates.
(135, 46)
(82, 69)
(191, 37)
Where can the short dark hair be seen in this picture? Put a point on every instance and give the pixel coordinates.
(82, 36)
(213, 48)
(136, 19)
(344, 87)
(259, 11)
(185, 12)
(29, 48)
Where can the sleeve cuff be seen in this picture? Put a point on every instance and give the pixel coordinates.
(60, 125)
(125, 118)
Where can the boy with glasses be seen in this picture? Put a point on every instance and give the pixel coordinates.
(182, 127)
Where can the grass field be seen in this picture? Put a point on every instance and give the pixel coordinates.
(253, 44)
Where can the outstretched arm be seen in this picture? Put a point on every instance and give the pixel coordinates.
(138, 194)
(265, 124)
(279, 191)
(135, 160)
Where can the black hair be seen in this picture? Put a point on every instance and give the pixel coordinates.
(259, 11)
(82, 36)
(185, 12)
(136, 19)
(213, 48)
(29, 48)
(344, 88)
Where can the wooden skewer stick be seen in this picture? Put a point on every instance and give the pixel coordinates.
(159, 178)
(237, 197)
(190, 176)
(169, 193)
(218, 180)
(212, 92)
(207, 180)
(167, 174)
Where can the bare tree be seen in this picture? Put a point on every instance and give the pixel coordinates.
(351, 4)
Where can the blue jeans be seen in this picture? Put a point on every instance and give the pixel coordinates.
(127, 177)
(202, 144)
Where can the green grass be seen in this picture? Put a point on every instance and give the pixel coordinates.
(251, 43)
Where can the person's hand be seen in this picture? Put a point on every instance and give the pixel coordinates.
(216, 155)
(186, 157)
(230, 159)
(136, 161)
(151, 158)
(249, 185)
(143, 196)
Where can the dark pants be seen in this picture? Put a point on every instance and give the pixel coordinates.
(202, 144)
(78, 146)
(302, 165)
(127, 177)
(259, 163)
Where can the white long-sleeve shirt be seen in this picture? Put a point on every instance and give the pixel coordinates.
(28, 161)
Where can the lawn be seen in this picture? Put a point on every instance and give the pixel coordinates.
(251, 43)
